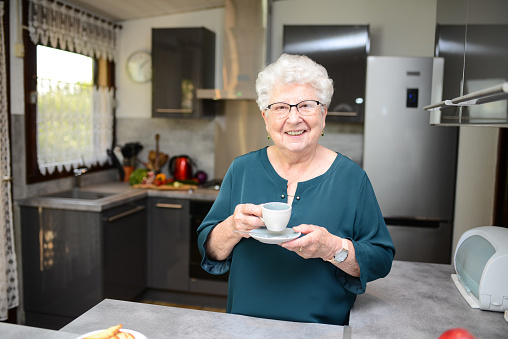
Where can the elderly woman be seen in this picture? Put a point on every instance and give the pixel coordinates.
(344, 241)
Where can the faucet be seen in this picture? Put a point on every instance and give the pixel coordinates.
(78, 172)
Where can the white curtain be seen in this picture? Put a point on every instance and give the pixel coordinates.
(8, 268)
(74, 125)
(51, 22)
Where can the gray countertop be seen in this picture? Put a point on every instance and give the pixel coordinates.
(164, 322)
(416, 300)
(419, 300)
(122, 193)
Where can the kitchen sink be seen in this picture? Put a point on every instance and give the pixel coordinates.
(79, 194)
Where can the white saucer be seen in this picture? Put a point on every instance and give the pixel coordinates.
(268, 237)
(136, 334)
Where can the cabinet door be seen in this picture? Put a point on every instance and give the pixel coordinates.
(125, 251)
(169, 244)
(61, 264)
(343, 51)
(183, 60)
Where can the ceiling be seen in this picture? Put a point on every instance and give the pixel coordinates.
(122, 10)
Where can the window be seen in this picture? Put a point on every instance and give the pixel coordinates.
(69, 90)
(64, 109)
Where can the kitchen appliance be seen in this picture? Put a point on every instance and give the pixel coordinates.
(200, 280)
(244, 53)
(481, 263)
(180, 167)
(411, 164)
(246, 25)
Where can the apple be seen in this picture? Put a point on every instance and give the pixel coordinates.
(457, 333)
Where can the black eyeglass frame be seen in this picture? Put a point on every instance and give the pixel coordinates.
(295, 105)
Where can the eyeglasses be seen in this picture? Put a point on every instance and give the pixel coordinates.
(306, 108)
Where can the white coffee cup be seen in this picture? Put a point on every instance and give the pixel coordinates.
(276, 215)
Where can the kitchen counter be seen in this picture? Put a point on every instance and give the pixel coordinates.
(121, 193)
(164, 322)
(419, 300)
(416, 300)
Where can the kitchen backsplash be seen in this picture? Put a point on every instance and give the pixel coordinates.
(195, 138)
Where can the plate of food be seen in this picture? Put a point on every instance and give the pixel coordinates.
(113, 332)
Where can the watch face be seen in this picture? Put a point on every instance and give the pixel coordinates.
(139, 67)
(341, 256)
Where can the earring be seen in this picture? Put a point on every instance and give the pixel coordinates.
(323, 133)
(268, 136)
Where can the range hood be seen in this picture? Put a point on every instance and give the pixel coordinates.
(244, 51)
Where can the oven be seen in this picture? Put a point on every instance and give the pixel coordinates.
(200, 280)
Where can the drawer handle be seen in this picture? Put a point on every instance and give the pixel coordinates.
(174, 206)
(126, 213)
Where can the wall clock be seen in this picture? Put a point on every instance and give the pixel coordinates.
(139, 66)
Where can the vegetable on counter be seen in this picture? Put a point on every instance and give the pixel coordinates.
(143, 178)
(137, 176)
(160, 179)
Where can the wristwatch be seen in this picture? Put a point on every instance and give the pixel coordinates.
(341, 254)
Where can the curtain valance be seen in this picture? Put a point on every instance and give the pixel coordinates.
(56, 24)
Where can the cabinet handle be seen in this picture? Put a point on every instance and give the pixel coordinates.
(343, 114)
(174, 110)
(126, 213)
(174, 206)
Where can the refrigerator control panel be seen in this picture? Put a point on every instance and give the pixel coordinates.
(412, 97)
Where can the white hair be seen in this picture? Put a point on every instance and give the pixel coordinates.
(296, 69)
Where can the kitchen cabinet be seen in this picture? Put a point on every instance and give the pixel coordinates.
(475, 51)
(343, 51)
(183, 60)
(168, 229)
(74, 259)
(124, 244)
(174, 258)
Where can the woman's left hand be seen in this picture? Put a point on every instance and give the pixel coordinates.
(317, 242)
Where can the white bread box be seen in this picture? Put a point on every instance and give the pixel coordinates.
(481, 266)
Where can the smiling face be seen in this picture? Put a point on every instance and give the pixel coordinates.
(295, 133)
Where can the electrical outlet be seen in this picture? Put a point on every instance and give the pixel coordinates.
(19, 50)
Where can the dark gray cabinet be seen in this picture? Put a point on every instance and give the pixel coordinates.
(72, 260)
(183, 60)
(124, 244)
(168, 249)
(173, 254)
(343, 51)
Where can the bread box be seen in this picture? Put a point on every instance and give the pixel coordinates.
(481, 266)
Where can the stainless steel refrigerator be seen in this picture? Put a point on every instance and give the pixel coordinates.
(411, 164)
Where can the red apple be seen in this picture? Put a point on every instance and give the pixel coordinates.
(457, 333)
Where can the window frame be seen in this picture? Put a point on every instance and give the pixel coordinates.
(33, 175)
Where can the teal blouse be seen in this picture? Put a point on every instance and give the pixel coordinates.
(269, 281)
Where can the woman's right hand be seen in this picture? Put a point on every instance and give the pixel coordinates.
(246, 218)
(228, 233)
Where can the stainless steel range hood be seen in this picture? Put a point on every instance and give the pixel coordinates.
(244, 53)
